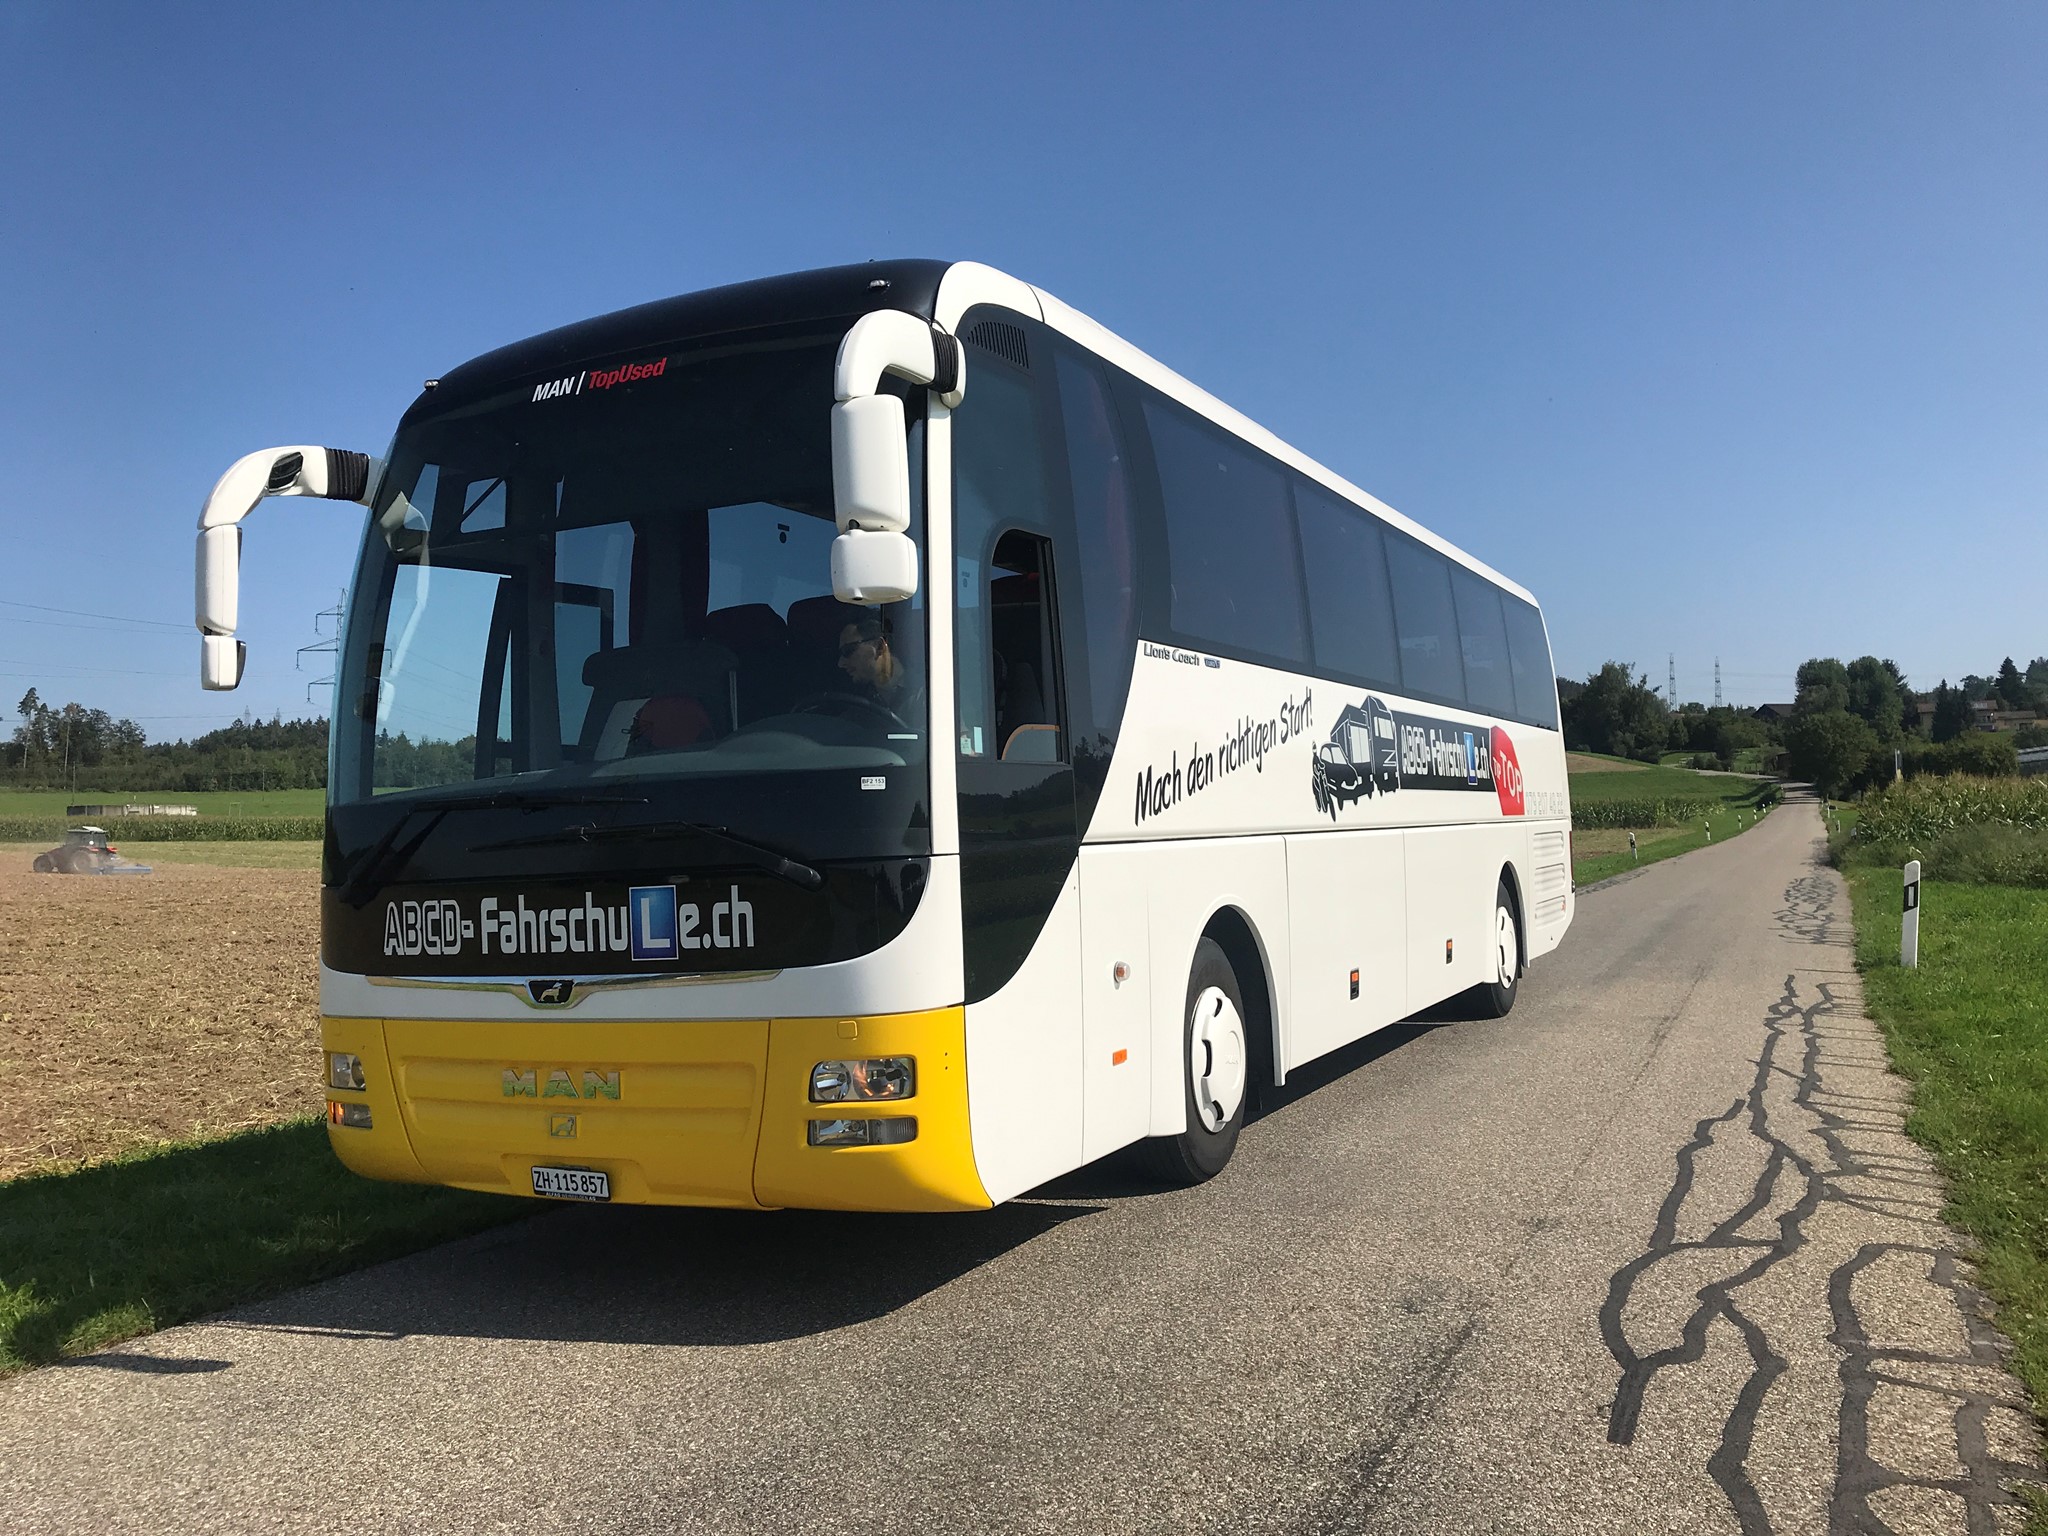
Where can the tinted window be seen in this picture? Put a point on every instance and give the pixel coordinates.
(1104, 538)
(1425, 620)
(998, 484)
(1529, 660)
(1230, 550)
(1482, 644)
(1351, 612)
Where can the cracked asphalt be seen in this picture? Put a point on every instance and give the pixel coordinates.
(1650, 1255)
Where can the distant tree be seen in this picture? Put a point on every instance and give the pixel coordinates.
(1876, 695)
(2030, 736)
(1618, 712)
(2037, 683)
(1952, 715)
(1981, 752)
(1976, 689)
(1823, 685)
(2011, 687)
(1829, 748)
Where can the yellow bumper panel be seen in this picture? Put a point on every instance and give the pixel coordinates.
(382, 1151)
(669, 1110)
(694, 1112)
(935, 1172)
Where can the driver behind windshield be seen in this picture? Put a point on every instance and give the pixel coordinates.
(874, 668)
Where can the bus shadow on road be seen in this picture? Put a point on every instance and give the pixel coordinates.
(660, 1275)
(1125, 1175)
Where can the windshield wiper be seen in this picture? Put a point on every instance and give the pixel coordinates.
(384, 858)
(771, 859)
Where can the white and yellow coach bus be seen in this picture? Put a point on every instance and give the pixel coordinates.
(874, 739)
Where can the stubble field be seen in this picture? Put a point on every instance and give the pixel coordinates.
(148, 1008)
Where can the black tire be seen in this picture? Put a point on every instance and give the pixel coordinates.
(1495, 999)
(1199, 1153)
(45, 865)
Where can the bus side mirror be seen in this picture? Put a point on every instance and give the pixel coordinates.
(221, 659)
(873, 568)
(331, 473)
(873, 559)
(871, 464)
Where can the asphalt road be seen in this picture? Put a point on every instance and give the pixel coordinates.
(1650, 1255)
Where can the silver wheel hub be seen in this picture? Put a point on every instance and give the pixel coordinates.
(1504, 944)
(1216, 1058)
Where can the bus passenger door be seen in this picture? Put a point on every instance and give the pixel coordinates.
(1019, 885)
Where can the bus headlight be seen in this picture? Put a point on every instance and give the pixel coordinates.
(355, 1116)
(892, 1132)
(345, 1071)
(880, 1077)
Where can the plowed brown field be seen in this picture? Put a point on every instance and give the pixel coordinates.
(145, 1008)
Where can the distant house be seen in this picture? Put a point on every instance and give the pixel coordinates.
(1991, 715)
(1773, 711)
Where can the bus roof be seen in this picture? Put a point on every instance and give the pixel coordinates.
(843, 293)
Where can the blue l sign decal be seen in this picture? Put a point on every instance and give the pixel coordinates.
(653, 911)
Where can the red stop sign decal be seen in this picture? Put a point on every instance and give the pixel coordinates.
(1507, 774)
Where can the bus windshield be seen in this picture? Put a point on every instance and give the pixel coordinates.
(613, 588)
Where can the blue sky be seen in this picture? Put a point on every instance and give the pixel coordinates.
(1723, 328)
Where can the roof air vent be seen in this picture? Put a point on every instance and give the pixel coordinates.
(1006, 341)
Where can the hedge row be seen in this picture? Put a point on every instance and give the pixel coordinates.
(1643, 811)
(1919, 811)
(171, 829)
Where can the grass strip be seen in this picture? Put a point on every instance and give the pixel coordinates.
(1969, 1027)
(108, 1251)
(1603, 853)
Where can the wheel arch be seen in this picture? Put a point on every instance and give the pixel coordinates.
(1239, 940)
(1512, 879)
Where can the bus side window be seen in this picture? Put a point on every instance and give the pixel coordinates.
(1431, 667)
(1024, 651)
(1105, 563)
(999, 490)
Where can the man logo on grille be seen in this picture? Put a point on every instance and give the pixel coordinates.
(551, 994)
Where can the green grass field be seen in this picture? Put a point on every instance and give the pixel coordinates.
(1601, 852)
(255, 802)
(1646, 782)
(1969, 1028)
(91, 1257)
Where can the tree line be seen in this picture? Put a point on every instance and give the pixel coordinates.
(1616, 711)
(1853, 724)
(71, 746)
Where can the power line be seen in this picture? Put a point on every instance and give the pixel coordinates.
(76, 613)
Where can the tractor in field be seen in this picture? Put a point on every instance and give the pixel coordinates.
(86, 851)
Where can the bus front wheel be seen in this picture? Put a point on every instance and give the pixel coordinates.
(1493, 999)
(1215, 1062)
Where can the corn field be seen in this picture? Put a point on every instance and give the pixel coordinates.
(1643, 811)
(1919, 811)
(171, 829)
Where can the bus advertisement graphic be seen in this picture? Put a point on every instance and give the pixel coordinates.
(1376, 750)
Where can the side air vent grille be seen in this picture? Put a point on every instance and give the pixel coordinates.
(1006, 341)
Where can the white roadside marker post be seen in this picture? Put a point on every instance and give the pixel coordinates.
(1632, 848)
(1909, 925)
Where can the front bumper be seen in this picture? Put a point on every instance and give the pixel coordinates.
(683, 1112)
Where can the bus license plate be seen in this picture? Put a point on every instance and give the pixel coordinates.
(572, 1183)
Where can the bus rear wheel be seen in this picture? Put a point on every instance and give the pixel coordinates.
(1215, 1063)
